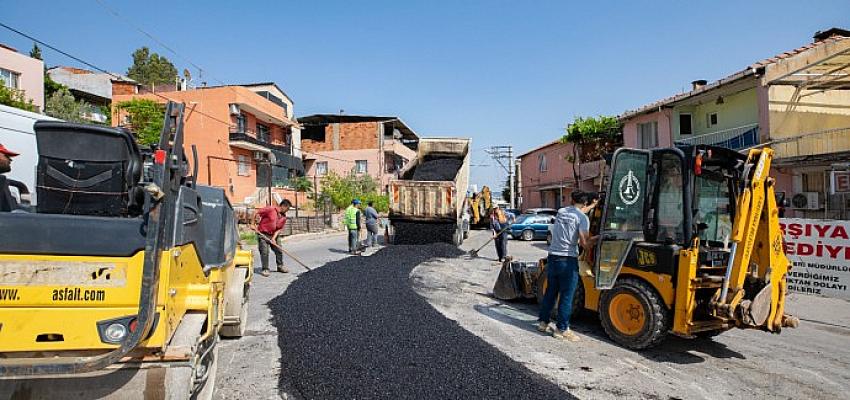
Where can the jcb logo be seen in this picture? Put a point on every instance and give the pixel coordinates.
(645, 258)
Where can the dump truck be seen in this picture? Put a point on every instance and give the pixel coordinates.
(428, 200)
(121, 280)
(689, 243)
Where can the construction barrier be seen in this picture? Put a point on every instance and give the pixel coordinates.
(819, 251)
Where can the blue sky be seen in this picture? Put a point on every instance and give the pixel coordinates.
(500, 72)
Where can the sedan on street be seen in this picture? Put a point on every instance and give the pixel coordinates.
(531, 226)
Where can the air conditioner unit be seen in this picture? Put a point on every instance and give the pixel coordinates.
(234, 109)
(259, 156)
(805, 201)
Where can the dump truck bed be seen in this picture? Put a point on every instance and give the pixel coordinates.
(418, 196)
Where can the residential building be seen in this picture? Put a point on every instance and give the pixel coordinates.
(23, 73)
(797, 102)
(547, 175)
(376, 146)
(243, 135)
(95, 88)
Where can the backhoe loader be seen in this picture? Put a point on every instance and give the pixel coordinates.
(689, 243)
(120, 280)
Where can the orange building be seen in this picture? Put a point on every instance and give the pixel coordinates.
(243, 135)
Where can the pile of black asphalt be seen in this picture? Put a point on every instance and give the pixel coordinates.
(355, 329)
(439, 169)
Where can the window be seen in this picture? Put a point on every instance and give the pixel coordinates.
(541, 163)
(263, 133)
(243, 166)
(685, 125)
(670, 212)
(10, 79)
(714, 208)
(321, 168)
(648, 135)
(711, 119)
(360, 167)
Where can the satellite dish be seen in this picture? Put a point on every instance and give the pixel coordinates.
(187, 74)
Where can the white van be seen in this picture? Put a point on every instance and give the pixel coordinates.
(16, 133)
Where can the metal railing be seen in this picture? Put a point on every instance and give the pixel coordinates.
(733, 138)
(826, 141)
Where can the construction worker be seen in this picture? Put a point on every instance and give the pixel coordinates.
(7, 202)
(571, 228)
(352, 224)
(371, 216)
(269, 222)
(498, 223)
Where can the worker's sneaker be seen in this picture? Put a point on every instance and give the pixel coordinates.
(543, 327)
(283, 269)
(265, 272)
(567, 335)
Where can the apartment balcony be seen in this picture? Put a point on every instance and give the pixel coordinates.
(829, 145)
(738, 138)
(247, 139)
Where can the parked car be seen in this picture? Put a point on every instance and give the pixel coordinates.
(544, 211)
(531, 226)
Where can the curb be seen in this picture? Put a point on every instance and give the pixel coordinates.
(300, 236)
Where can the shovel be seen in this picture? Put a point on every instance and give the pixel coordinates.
(474, 253)
(273, 244)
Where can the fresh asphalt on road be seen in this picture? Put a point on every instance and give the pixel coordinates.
(355, 328)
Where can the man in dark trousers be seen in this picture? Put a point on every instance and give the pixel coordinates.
(571, 229)
(371, 216)
(270, 222)
(498, 223)
(352, 224)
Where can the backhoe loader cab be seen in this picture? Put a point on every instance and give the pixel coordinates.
(117, 284)
(689, 243)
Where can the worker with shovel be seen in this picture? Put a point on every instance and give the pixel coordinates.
(499, 224)
(270, 222)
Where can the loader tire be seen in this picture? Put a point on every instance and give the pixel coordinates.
(633, 314)
(237, 304)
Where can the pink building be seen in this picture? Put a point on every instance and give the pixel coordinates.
(547, 177)
(356, 144)
(24, 73)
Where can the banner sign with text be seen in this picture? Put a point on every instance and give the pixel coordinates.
(819, 252)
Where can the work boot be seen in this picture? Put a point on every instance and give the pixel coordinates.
(567, 335)
(543, 327)
(265, 272)
(283, 269)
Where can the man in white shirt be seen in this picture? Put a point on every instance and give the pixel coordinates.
(571, 229)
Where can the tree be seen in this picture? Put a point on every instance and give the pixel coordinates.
(14, 98)
(151, 68)
(36, 52)
(301, 184)
(61, 104)
(342, 189)
(592, 137)
(146, 118)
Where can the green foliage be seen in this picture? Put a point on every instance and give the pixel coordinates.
(51, 86)
(61, 104)
(146, 118)
(340, 190)
(36, 52)
(585, 129)
(150, 68)
(14, 98)
(302, 184)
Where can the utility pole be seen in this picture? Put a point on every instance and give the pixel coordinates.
(504, 155)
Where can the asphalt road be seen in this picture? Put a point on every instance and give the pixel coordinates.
(808, 362)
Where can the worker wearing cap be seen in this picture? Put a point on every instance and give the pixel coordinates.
(352, 224)
(7, 202)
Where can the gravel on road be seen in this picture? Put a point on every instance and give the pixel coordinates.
(356, 329)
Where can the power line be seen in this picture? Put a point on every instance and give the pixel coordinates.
(122, 79)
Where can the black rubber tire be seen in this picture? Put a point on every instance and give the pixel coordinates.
(528, 235)
(658, 317)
